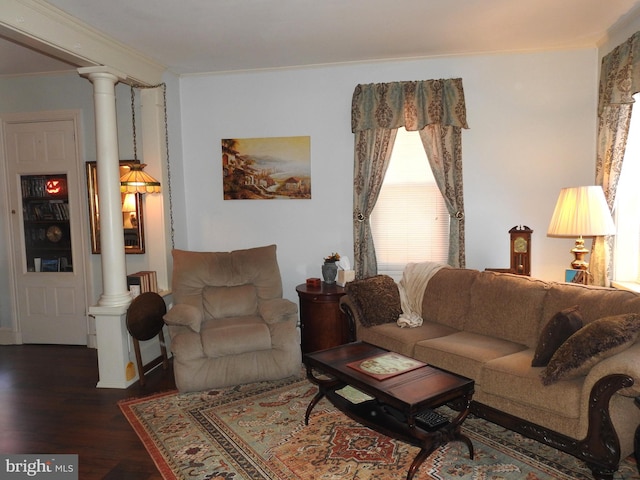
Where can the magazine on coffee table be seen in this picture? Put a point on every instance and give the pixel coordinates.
(386, 365)
(353, 394)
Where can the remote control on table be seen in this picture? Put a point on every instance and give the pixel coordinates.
(430, 420)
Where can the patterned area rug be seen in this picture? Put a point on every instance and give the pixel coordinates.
(257, 431)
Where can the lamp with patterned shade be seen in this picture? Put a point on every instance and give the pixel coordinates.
(138, 181)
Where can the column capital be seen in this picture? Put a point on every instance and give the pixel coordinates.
(102, 72)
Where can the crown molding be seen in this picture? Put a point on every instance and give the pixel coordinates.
(45, 28)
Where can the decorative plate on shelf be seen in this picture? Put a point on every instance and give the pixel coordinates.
(54, 233)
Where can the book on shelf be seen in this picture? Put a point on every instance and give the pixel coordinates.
(153, 280)
(50, 265)
(142, 282)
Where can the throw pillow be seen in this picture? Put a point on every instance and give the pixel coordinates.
(184, 315)
(377, 298)
(594, 342)
(557, 330)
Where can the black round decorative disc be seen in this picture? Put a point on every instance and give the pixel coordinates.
(144, 316)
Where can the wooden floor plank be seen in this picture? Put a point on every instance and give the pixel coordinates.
(49, 403)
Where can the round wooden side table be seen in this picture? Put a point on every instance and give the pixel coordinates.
(322, 323)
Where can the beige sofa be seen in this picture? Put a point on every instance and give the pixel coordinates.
(489, 326)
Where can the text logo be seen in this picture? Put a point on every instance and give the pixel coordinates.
(50, 467)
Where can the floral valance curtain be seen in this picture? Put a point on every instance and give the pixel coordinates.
(619, 81)
(436, 108)
(412, 105)
(620, 74)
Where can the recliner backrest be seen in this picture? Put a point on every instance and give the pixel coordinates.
(202, 278)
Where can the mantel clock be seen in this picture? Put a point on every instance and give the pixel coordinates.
(520, 250)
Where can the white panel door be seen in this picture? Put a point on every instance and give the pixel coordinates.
(46, 194)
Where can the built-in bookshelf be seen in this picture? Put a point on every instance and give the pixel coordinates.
(45, 214)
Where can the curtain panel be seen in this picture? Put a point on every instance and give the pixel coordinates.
(619, 81)
(435, 108)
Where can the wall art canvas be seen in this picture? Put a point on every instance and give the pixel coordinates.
(266, 168)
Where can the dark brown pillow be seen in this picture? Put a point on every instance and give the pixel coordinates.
(561, 326)
(594, 342)
(377, 298)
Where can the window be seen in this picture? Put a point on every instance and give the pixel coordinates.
(627, 208)
(410, 222)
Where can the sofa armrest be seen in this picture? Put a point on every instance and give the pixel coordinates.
(626, 362)
(278, 310)
(353, 313)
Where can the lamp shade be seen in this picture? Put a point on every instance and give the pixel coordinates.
(129, 203)
(137, 181)
(581, 211)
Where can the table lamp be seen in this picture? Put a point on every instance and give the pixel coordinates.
(581, 211)
(130, 209)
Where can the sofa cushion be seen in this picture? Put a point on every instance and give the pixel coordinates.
(594, 342)
(223, 302)
(233, 336)
(377, 298)
(506, 306)
(512, 378)
(561, 326)
(447, 296)
(402, 340)
(463, 352)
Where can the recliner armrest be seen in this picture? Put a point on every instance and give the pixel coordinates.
(278, 310)
(184, 315)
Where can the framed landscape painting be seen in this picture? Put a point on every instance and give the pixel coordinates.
(266, 168)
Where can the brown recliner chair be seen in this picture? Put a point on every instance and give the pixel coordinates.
(229, 324)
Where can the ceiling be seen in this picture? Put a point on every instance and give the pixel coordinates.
(198, 36)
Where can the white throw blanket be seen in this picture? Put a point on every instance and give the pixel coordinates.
(411, 286)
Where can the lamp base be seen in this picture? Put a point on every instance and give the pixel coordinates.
(579, 252)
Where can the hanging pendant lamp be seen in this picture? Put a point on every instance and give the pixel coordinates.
(135, 180)
(138, 181)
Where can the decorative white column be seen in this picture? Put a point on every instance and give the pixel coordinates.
(114, 364)
(114, 277)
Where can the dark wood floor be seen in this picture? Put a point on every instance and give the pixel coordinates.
(49, 403)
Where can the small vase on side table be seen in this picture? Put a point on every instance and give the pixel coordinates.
(329, 272)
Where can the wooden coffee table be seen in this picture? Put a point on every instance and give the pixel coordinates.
(390, 405)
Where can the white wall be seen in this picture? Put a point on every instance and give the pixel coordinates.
(532, 131)
(532, 120)
(63, 91)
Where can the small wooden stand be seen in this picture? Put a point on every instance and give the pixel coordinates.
(144, 321)
(322, 323)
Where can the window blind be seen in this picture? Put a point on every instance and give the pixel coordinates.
(410, 222)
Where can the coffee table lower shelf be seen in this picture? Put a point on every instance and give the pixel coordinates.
(379, 417)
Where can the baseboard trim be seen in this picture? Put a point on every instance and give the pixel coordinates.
(10, 337)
